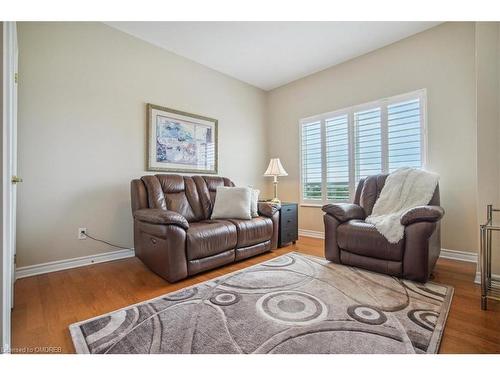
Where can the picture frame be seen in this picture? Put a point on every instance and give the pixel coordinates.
(181, 142)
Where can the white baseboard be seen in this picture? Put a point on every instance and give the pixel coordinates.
(477, 279)
(60, 265)
(311, 233)
(464, 256)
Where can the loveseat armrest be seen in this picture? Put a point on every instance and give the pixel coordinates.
(159, 216)
(422, 213)
(345, 211)
(267, 209)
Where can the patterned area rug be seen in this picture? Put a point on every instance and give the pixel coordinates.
(291, 304)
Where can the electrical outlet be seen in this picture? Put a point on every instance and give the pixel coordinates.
(82, 233)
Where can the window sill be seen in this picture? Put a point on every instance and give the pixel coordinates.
(320, 205)
(315, 205)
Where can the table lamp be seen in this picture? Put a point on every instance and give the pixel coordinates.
(275, 169)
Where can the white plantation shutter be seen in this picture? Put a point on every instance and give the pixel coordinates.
(404, 134)
(311, 162)
(337, 158)
(368, 143)
(341, 147)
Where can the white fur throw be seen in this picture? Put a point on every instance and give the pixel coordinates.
(405, 188)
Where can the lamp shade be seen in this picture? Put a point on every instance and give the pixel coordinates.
(275, 168)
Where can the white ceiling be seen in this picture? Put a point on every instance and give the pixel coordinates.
(270, 54)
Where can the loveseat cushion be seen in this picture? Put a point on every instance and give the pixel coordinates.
(251, 232)
(209, 237)
(359, 237)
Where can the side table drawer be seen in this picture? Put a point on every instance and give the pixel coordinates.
(288, 229)
(289, 221)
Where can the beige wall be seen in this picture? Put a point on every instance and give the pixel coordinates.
(487, 87)
(487, 102)
(82, 94)
(442, 61)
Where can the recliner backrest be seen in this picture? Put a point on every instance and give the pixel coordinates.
(369, 189)
(192, 197)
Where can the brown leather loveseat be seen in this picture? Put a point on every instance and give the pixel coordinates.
(350, 240)
(173, 233)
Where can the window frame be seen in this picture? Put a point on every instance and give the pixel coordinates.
(420, 94)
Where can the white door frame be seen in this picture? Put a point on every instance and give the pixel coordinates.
(9, 169)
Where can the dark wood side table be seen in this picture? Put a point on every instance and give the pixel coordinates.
(289, 224)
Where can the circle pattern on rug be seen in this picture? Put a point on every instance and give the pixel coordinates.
(225, 299)
(182, 295)
(367, 314)
(281, 261)
(264, 280)
(424, 318)
(292, 308)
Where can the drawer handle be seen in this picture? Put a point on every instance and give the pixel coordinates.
(288, 209)
(289, 221)
(153, 240)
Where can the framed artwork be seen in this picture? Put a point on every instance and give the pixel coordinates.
(180, 141)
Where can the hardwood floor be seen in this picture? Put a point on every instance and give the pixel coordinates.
(46, 304)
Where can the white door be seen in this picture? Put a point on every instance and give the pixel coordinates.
(9, 175)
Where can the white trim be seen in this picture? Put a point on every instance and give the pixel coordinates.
(311, 205)
(311, 233)
(60, 265)
(477, 279)
(375, 103)
(65, 264)
(9, 56)
(464, 256)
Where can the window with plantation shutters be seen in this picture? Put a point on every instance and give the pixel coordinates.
(404, 134)
(311, 162)
(367, 143)
(337, 158)
(342, 147)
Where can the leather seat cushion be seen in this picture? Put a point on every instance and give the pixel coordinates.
(359, 237)
(209, 237)
(250, 251)
(254, 231)
(389, 267)
(199, 265)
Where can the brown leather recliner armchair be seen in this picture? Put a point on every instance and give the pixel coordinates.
(173, 233)
(351, 241)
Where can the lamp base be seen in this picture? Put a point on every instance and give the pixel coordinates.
(275, 200)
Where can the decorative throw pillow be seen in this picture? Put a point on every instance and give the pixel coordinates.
(232, 203)
(254, 203)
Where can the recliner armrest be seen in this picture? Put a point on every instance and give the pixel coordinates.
(422, 213)
(159, 216)
(267, 208)
(345, 211)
